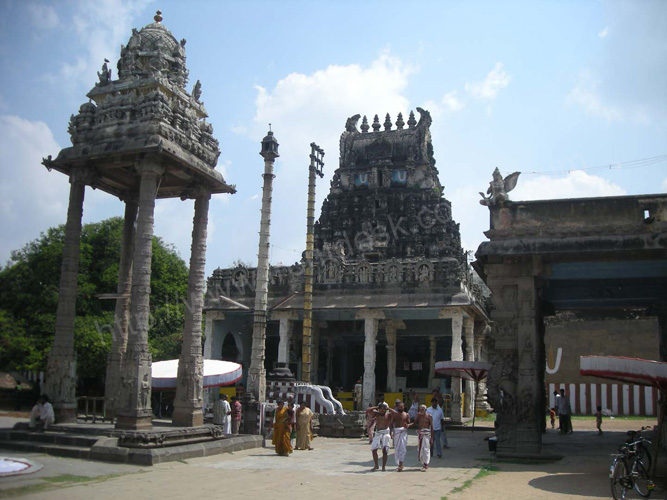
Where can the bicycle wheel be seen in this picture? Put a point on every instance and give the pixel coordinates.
(643, 485)
(644, 456)
(618, 480)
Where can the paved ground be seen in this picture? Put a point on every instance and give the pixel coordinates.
(340, 468)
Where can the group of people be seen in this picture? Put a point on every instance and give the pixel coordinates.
(228, 415)
(385, 424)
(563, 409)
(292, 428)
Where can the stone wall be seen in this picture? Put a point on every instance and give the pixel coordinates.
(635, 338)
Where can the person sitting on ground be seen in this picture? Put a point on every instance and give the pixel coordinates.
(42, 415)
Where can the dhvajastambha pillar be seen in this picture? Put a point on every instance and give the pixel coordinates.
(188, 400)
(134, 409)
(60, 382)
(122, 312)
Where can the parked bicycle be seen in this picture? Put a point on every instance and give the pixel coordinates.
(641, 446)
(627, 472)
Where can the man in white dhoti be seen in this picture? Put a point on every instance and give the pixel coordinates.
(222, 414)
(401, 423)
(382, 415)
(425, 435)
(42, 414)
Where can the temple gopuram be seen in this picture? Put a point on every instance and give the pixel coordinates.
(393, 291)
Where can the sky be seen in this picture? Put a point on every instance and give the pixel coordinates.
(572, 94)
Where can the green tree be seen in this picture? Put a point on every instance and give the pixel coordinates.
(29, 299)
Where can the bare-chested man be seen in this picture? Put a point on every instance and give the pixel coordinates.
(383, 419)
(424, 423)
(400, 422)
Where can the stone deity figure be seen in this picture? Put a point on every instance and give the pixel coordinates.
(498, 188)
(105, 74)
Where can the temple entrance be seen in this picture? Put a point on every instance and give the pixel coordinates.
(229, 350)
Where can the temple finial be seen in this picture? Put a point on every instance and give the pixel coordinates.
(399, 121)
(376, 123)
(158, 16)
(387, 122)
(411, 120)
(364, 125)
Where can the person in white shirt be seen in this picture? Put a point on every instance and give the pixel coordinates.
(439, 433)
(221, 414)
(564, 413)
(42, 413)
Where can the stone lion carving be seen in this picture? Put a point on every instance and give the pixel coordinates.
(498, 188)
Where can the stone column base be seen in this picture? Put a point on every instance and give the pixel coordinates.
(124, 422)
(185, 417)
(66, 415)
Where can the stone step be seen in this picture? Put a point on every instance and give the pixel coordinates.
(49, 438)
(58, 450)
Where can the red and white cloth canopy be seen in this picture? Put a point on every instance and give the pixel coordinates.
(632, 370)
(469, 370)
(216, 373)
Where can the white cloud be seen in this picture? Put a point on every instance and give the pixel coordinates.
(451, 101)
(314, 108)
(101, 27)
(604, 32)
(31, 199)
(496, 80)
(576, 184)
(585, 95)
(474, 218)
(43, 16)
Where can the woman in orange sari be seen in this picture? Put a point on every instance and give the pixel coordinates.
(282, 428)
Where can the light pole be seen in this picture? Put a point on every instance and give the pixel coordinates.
(316, 168)
(257, 374)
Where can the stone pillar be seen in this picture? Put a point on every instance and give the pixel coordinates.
(60, 383)
(286, 329)
(134, 408)
(390, 328)
(330, 353)
(515, 385)
(315, 351)
(456, 315)
(209, 331)
(371, 323)
(469, 356)
(122, 312)
(482, 329)
(432, 345)
(188, 400)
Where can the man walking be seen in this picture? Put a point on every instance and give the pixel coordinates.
(400, 423)
(425, 435)
(383, 419)
(439, 433)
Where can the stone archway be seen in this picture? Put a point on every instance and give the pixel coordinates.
(232, 348)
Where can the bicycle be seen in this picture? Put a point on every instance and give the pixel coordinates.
(628, 472)
(638, 442)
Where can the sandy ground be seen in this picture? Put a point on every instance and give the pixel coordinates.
(341, 468)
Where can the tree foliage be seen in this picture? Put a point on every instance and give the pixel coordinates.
(29, 299)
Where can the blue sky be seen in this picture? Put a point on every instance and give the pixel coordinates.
(551, 89)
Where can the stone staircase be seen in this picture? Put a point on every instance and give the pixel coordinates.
(55, 442)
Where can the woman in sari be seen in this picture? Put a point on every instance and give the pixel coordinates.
(282, 428)
(304, 422)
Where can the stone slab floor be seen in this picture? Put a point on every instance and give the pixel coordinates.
(340, 468)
